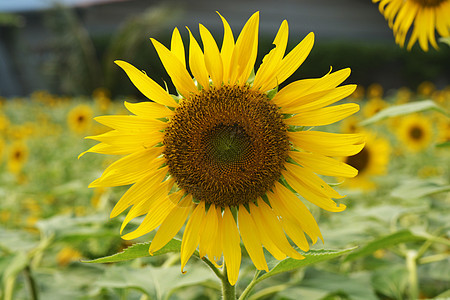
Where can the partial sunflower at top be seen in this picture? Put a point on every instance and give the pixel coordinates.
(225, 148)
(427, 16)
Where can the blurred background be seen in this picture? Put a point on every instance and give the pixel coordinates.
(57, 73)
(68, 47)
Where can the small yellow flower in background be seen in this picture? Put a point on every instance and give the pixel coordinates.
(375, 90)
(219, 151)
(416, 132)
(373, 106)
(426, 17)
(426, 88)
(4, 124)
(67, 255)
(79, 118)
(17, 156)
(2, 149)
(350, 125)
(404, 95)
(358, 94)
(102, 98)
(372, 161)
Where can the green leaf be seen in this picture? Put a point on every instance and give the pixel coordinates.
(384, 242)
(418, 188)
(311, 257)
(443, 144)
(445, 40)
(138, 250)
(404, 109)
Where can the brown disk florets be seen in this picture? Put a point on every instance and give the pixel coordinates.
(226, 146)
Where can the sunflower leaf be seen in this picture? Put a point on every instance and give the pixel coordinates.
(138, 250)
(404, 109)
(445, 40)
(311, 257)
(384, 242)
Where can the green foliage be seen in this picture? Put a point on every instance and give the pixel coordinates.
(311, 257)
(139, 250)
(404, 109)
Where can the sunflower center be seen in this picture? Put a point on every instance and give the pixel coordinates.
(359, 161)
(429, 3)
(226, 146)
(416, 133)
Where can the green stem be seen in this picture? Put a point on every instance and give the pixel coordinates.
(411, 264)
(250, 287)
(432, 258)
(213, 268)
(31, 283)
(269, 291)
(228, 290)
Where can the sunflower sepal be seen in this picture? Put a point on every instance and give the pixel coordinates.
(271, 93)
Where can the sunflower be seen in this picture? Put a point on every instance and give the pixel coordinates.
(79, 118)
(371, 161)
(415, 132)
(17, 156)
(374, 106)
(427, 16)
(229, 149)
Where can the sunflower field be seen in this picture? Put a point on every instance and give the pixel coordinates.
(393, 236)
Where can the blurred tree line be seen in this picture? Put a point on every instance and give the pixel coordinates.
(79, 61)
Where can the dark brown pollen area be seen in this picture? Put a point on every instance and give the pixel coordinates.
(416, 133)
(226, 146)
(360, 160)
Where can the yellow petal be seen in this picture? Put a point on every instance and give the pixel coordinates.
(311, 181)
(142, 205)
(149, 110)
(135, 162)
(266, 220)
(197, 62)
(323, 165)
(147, 86)
(216, 249)
(323, 116)
(298, 89)
(329, 144)
(104, 149)
(294, 59)
(264, 78)
(295, 233)
(191, 235)
(292, 207)
(129, 142)
(227, 49)
(213, 60)
(319, 99)
(231, 246)
(251, 239)
(177, 46)
(209, 231)
(176, 70)
(140, 191)
(158, 210)
(120, 176)
(319, 200)
(171, 224)
(131, 124)
(245, 51)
